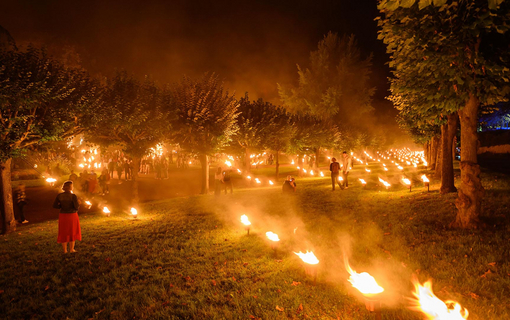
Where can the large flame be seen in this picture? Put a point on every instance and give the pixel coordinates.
(308, 257)
(134, 212)
(245, 220)
(272, 236)
(51, 180)
(364, 282)
(435, 309)
(406, 181)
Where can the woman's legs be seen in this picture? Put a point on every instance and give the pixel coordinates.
(64, 246)
(71, 246)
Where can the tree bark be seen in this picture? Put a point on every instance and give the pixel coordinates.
(134, 176)
(448, 133)
(433, 153)
(7, 209)
(277, 161)
(204, 161)
(439, 161)
(471, 191)
(426, 151)
(316, 164)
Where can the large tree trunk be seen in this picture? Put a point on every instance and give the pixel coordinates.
(433, 153)
(439, 161)
(134, 176)
(204, 161)
(471, 192)
(316, 164)
(7, 210)
(448, 133)
(426, 151)
(277, 161)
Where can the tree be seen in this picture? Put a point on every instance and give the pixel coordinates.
(253, 121)
(132, 117)
(279, 133)
(454, 56)
(40, 101)
(335, 86)
(206, 119)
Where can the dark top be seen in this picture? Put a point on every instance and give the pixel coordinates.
(67, 202)
(334, 167)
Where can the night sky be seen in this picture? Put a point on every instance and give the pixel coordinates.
(252, 45)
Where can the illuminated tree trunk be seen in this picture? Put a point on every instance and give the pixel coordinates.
(316, 164)
(134, 176)
(439, 158)
(7, 210)
(433, 153)
(426, 152)
(277, 161)
(471, 192)
(448, 132)
(204, 161)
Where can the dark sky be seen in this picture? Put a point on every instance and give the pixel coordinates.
(251, 44)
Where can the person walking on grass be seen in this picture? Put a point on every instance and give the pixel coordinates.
(218, 181)
(68, 223)
(347, 164)
(227, 181)
(21, 201)
(334, 167)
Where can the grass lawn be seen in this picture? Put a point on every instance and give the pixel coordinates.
(190, 258)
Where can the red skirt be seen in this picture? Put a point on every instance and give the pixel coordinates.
(68, 227)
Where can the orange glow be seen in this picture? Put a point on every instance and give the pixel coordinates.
(245, 220)
(272, 236)
(308, 257)
(424, 178)
(433, 308)
(106, 210)
(134, 212)
(271, 182)
(364, 282)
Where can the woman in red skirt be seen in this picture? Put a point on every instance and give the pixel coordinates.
(68, 223)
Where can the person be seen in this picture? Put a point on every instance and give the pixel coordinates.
(73, 176)
(218, 181)
(111, 167)
(68, 223)
(227, 180)
(289, 186)
(119, 167)
(347, 164)
(21, 201)
(334, 167)
(104, 180)
(92, 183)
(84, 181)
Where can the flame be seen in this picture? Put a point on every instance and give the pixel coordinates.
(298, 168)
(292, 162)
(386, 184)
(424, 178)
(239, 171)
(385, 169)
(134, 211)
(304, 170)
(340, 178)
(245, 220)
(88, 203)
(367, 170)
(363, 182)
(272, 236)
(257, 180)
(228, 163)
(35, 166)
(106, 210)
(271, 182)
(322, 174)
(51, 180)
(308, 257)
(400, 168)
(406, 181)
(248, 177)
(433, 307)
(311, 172)
(364, 282)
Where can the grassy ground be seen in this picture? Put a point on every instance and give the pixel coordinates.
(189, 258)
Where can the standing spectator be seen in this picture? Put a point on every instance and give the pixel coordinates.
(111, 167)
(158, 168)
(68, 222)
(21, 201)
(127, 174)
(119, 169)
(218, 181)
(104, 181)
(227, 180)
(84, 181)
(93, 183)
(347, 163)
(334, 167)
(73, 177)
(289, 186)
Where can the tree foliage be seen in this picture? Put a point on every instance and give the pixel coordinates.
(336, 83)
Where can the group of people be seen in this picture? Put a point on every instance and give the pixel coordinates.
(90, 183)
